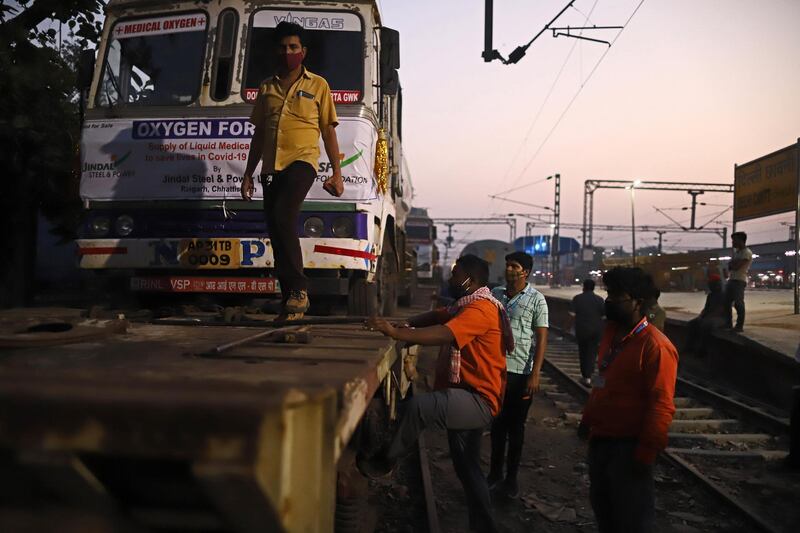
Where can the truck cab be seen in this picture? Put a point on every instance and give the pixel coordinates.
(166, 138)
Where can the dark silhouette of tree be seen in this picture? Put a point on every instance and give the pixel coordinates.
(39, 128)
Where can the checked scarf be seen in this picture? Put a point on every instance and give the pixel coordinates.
(454, 375)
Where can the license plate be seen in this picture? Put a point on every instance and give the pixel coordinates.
(210, 253)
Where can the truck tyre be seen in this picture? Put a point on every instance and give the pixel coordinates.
(407, 299)
(363, 298)
(387, 279)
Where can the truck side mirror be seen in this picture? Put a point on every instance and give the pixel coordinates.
(389, 61)
(85, 69)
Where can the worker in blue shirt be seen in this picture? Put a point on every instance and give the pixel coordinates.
(527, 312)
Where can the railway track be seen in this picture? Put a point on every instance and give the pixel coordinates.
(725, 442)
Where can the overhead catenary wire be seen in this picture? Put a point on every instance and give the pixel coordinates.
(569, 105)
(539, 112)
(578, 92)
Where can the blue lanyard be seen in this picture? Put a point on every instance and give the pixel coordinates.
(614, 351)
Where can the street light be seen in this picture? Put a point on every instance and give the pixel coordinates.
(633, 219)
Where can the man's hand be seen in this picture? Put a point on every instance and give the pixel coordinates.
(334, 185)
(532, 385)
(375, 323)
(247, 187)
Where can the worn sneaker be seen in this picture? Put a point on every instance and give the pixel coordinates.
(511, 488)
(493, 481)
(586, 382)
(288, 317)
(297, 302)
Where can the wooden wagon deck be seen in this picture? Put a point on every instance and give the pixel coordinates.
(146, 429)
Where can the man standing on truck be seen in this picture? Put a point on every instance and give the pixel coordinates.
(474, 334)
(737, 280)
(294, 107)
(527, 312)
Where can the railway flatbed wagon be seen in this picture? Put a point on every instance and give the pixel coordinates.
(143, 427)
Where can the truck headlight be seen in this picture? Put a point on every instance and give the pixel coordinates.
(124, 225)
(313, 227)
(343, 227)
(101, 226)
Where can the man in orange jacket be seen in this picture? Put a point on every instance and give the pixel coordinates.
(630, 408)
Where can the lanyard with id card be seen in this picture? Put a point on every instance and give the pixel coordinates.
(599, 380)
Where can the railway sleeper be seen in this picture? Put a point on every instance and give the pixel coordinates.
(758, 438)
(736, 455)
(693, 413)
(715, 424)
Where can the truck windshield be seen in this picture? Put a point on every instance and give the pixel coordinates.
(418, 233)
(335, 50)
(154, 62)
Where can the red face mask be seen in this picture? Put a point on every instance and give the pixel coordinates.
(290, 61)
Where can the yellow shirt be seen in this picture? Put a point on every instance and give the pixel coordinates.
(292, 121)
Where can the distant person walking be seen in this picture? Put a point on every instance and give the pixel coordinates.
(737, 280)
(527, 312)
(630, 407)
(588, 310)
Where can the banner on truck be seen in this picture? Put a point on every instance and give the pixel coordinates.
(197, 159)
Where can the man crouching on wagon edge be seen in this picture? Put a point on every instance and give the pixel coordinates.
(294, 107)
(474, 334)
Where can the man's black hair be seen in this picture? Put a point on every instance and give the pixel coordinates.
(525, 260)
(288, 29)
(634, 282)
(739, 235)
(475, 267)
(588, 284)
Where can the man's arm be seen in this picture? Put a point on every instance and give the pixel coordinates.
(660, 373)
(334, 185)
(429, 336)
(430, 318)
(253, 158)
(538, 360)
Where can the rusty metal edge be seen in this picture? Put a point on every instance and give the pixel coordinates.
(677, 461)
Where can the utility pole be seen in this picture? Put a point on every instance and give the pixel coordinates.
(489, 53)
(660, 239)
(591, 185)
(554, 248)
(694, 206)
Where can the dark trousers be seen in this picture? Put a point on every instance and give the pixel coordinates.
(465, 415)
(510, 426)
(623, 498)
(284, 193)
(587, 352)
(734, 295)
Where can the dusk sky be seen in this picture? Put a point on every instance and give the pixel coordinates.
(689, 88)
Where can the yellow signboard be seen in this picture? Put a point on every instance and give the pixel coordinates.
(767, 185)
